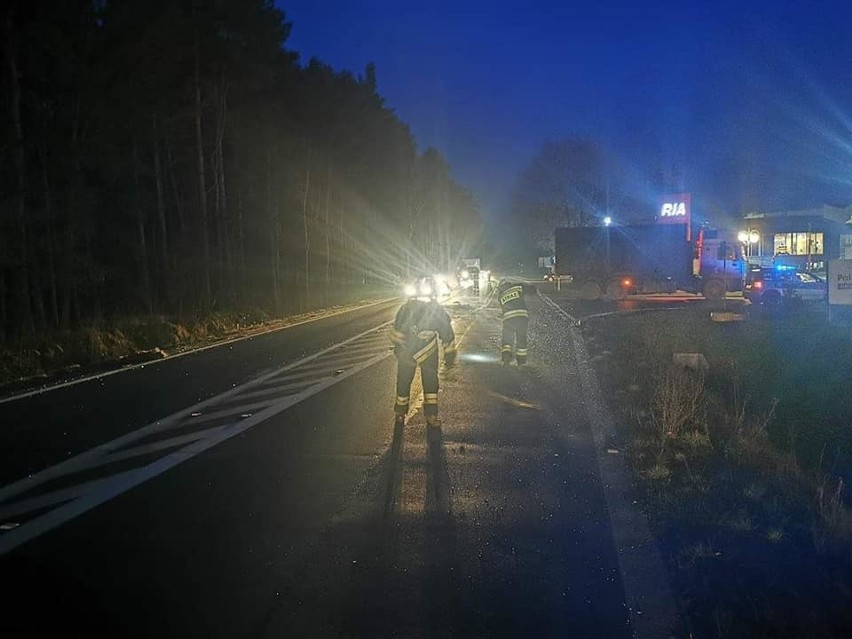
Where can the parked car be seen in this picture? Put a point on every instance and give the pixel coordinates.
(772, 286)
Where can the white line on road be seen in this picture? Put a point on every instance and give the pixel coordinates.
(119, 484)
(229, 411)
(559, 309)
(630, 311)
(279, 389)
(651, 602)
(82, 461)
(46, 500)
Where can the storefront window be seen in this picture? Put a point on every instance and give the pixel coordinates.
(799, 244)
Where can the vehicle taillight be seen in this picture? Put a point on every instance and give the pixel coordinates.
(758, 285)
(627, 283)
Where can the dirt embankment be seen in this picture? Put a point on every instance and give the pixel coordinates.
(42, 359)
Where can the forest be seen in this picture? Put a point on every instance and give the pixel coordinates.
(174, 158)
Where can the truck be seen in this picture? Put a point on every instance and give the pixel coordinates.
(471, 275)
(617, 261)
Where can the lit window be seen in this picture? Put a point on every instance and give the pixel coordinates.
(798, 244)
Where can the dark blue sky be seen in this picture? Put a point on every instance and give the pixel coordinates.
(751, 101)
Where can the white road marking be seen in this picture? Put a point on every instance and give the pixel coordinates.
(230, 411)
(75, 500)
(193, 351)
(160, 444)
(82, 461)
(52, 498)
(119, 484)
(630, 311)
(559, 309)
(281, 389)
(651, 603)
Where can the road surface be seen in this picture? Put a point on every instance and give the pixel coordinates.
(262, 490)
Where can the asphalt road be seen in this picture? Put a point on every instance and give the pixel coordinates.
(262, 490)
(46, 428)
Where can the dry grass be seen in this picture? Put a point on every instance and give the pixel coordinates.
(677, 404)
(98, 344)
(697, 435)
(832, 524)
(728, 456)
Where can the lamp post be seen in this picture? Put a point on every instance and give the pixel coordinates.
(747, 238)
(607, 221)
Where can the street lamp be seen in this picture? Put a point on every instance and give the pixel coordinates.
(747, 238)
(607, 220)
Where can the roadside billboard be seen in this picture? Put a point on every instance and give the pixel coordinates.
(675, 208)
(840, 282)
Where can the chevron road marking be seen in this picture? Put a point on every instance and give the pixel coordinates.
(329, 366)
(192, 351)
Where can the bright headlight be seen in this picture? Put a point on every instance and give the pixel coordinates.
(410, 290)
(425, 290)
(465, 274)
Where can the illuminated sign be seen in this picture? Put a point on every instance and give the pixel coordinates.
(674, 209)
(840, 282)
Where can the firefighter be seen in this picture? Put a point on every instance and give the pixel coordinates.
(418, 327)
(474, 277)
(513, 306)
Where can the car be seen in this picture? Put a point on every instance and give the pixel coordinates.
(772, 286)
(550, 277)
(425, 288)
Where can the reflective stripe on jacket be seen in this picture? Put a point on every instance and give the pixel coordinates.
(417, 328)
(518, 312)
(512, 300)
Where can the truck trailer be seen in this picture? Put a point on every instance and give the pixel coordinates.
(617, 261)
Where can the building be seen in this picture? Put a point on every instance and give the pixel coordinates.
(805, 238)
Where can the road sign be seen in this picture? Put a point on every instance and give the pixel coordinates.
(840, 282)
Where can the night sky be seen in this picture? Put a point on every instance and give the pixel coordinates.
(750, 102)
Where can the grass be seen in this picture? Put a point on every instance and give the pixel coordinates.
(744, 467)
(110, 343)
(113, 342)
(795, 369)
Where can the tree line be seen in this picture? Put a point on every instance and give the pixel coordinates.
(173, 157)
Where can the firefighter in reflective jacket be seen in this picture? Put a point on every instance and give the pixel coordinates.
(516, 316)
(416, 330)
